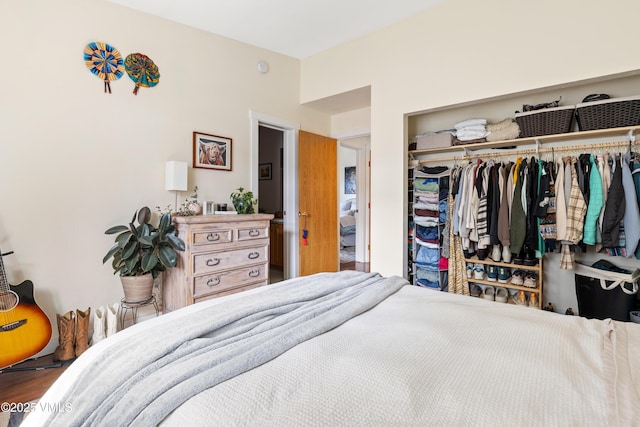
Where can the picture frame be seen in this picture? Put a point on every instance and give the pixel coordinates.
(264, 171)
(350, 180)
(211, 151)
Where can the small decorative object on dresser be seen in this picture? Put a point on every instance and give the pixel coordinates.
(142, 251)
(243, 201)
(224, 254)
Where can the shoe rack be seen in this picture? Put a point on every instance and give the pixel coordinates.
(512, 267)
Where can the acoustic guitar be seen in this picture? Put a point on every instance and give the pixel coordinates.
(24, 328)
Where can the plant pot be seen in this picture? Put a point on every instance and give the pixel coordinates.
(242, 206)
(137, 288)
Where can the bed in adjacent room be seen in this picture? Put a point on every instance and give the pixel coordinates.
(353, 348)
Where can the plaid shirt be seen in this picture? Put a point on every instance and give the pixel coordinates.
(576, 211)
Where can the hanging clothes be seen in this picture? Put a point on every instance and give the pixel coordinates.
(614, 209)
(595, 204)
(576, 210)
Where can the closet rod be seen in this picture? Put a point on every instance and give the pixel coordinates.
(528, 151)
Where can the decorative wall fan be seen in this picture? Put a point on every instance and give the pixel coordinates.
(141, 70)
(104, 61)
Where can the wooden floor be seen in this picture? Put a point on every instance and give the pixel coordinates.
(28, 385)
(353, 265)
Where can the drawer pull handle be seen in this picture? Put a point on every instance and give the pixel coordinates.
(211, 262)
(212, 237)
(213, 282)
(253, 255)
(254, 273)
(254, 233)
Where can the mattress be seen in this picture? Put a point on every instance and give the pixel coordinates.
(422, 357)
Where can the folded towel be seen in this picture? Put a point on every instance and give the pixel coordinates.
(470, 122)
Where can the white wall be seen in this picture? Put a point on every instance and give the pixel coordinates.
(461, 51)
(75, 161)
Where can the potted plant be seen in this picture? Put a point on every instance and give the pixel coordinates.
(243, 201)
(142, 251)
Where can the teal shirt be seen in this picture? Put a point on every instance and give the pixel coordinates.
(595, 204)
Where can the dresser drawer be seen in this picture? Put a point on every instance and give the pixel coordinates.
(206, 237)
(216, 261)
(225, 280)
(258, 232)
(229, 292)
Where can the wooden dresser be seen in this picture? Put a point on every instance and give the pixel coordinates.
(224, 254)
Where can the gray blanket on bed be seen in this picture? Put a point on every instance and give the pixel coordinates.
(150, 375)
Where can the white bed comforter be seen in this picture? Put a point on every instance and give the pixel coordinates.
(429, 358)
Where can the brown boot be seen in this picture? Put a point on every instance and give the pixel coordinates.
(82, 330)
(66, 332)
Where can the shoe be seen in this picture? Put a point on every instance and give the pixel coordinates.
(112, 319)
(506, 254)
(530, 280)
(519, 298)
(489, 293)
(66, 335)
(469, 270)
(475, 290)
(518, 258)
(530, 258)
(99, 325)
(482, 254)
(504, 275)
(478, 272)
(533, 300)
(502, 294)
(492, 273)
(496, 253)
(517, 278)
(82, 331)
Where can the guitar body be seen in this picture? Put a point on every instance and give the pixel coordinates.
(24, 328)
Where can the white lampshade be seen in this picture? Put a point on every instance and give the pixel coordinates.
(175, 176)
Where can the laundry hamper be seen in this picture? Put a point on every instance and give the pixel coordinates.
(606, 291)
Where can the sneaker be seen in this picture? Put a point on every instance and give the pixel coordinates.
(533, 300)
(502, 294)
(496, 253)
(517, 278)
(530, 280)
(469, 270)
(492, 273)
(504, 274)
(519, 298)
(506, 254)
(478, 272)
(489, 293)
(475, 290)
(482, 254)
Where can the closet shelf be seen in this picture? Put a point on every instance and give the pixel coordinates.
(600, 133)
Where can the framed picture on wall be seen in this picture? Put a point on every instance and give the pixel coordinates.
(211, 151)
(264, 171)
(350, 180)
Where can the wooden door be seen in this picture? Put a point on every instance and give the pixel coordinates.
(318, 202)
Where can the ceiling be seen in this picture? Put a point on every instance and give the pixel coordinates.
(296, 28)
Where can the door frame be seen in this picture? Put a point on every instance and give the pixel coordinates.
(289, 182)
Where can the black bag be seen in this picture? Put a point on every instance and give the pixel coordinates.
(606, 291)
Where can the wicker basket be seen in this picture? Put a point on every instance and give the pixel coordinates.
(548, 121)
(609, 113)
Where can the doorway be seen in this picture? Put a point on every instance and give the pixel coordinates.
(270, 190)
(354, 171)
(288, 186)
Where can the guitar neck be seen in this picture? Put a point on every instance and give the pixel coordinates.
(4, 283)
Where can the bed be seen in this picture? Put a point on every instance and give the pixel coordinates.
(351, 349)
(348, 209)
